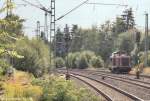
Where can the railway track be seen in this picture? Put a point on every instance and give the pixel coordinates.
(137, 88)
(133, 86)
(128, 80)
(143, 78)
(110, 92)
(108, 72)
(92, 86)
(123, 78)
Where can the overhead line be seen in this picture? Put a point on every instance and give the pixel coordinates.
(31, 4)
(78, 6)
(42, 8)
(39, 3)
(107, 4)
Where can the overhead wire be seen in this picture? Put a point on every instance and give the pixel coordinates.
(78, 6)
(39, 3)
(37, 6)
(107, 4)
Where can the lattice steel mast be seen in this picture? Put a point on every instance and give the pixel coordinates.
(53, 27)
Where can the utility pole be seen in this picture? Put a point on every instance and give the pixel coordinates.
(52, 29)
(38, 29)
(46, 28)
(67, 41)
(146, 39)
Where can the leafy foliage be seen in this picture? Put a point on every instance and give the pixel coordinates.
(125, 42)
(59, 62)
(142, 58)
(3, 66)
(84, 60)
(8, 31)
(20, 88)
(58, 89)
(142, 45)
(36, 56)
(97, 62)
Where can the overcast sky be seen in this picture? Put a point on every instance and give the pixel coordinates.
(85, 16)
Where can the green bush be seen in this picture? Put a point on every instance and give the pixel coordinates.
(96, 62)
(3, 67)
(88, 55)
(59, 62)
(142, 58)
(36, 56)
(84, 60)
(58, 89)
(71, 59)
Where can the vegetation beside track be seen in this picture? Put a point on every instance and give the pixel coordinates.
(23, 86)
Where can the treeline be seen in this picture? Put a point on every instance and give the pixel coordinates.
(102, 41)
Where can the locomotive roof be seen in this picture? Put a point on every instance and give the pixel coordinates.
(119, 52)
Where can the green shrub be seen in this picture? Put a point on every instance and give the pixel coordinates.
(142, 58)
(88, 55)
(96, 62)
(71, 59)
(36, 56)
(58, 89)
(3, 67)
(84, 60)
(59, 62)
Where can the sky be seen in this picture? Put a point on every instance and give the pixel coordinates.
(85, 16)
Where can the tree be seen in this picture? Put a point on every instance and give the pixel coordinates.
(125, 42)
(128, 19)
(7, 40)
(142, 45)
(124, 23)
(106, 45)
(60, 43)
(16, 27)
(36, 56)
(119, 26)
(77, 37)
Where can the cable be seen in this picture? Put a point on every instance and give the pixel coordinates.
(39, 3)
(107, 4)
(78, 6)
(31, 4)
(42, 8)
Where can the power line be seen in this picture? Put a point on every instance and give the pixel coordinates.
(107, 4)
(37, 6)
(78, 6)
(39, 3)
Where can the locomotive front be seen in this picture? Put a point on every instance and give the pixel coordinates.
(120, 62)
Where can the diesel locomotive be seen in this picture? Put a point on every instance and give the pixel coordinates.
(120, 62)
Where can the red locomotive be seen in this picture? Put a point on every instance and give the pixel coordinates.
(121, 62)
